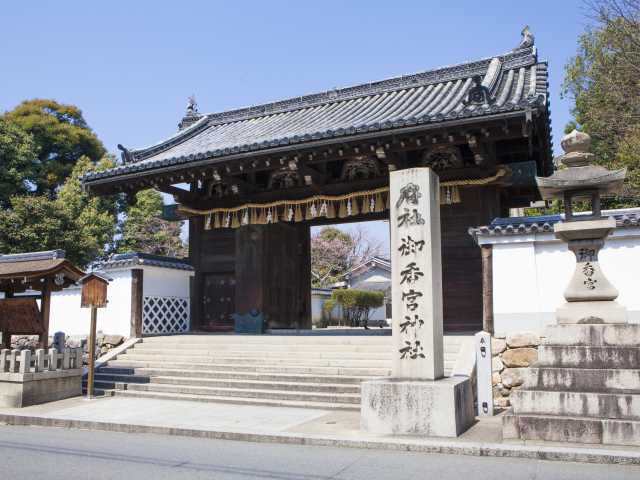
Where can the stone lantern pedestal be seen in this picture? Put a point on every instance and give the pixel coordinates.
(590, 296)
(585, 386)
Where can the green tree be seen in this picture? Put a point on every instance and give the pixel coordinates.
(83, 226)
(18, 161)
(62, 136)
(144, 230)
(603, 80)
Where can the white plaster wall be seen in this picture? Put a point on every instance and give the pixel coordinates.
(165, 282)
(317, 301)
(531, 272)
(67, 315)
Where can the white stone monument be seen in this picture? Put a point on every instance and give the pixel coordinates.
(417, 399)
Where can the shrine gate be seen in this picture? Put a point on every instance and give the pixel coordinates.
(258, 178)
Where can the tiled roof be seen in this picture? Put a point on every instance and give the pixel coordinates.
(544, 223)
(123, 260)
(32, 256)
(514, 81)
(38, 264)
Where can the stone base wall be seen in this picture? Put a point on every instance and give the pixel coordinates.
(22, 390)
(512, 355)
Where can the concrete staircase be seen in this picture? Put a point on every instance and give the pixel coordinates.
(584, 388)
(311, 371)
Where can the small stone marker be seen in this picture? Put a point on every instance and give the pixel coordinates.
(483, 369)
(416, 285)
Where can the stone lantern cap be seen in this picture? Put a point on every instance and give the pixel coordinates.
(579, 174)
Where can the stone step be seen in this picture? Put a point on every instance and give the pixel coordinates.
(382, 354)
(270, 340)
(602, 335)
(571, 429)
(280, 353)
(98, 392)
(576, 404)
(110, 377)
(280, 360)
(239, 400)
(257, 384)
(268, 394)
(588, 356)
(223, 374)
(267, 341)
(372, 372)
(582, 379)
(321, 362)
(269, 347)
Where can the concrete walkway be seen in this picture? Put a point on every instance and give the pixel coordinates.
(290, 425)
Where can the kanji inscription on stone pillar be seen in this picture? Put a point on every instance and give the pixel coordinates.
(416, 264)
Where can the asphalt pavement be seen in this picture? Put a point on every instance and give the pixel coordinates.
(54, 453)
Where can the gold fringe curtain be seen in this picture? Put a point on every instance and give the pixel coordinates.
(322, 206)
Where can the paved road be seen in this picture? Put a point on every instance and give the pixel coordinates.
(31, 452)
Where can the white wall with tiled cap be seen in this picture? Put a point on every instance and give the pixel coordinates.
(67, 316)
(532, 270)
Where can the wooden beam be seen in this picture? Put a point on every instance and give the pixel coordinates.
(137, 279)
(487, 287)
(317, 177)
(45, 310)
(180, 195)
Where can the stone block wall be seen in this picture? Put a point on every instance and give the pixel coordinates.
(511, 357)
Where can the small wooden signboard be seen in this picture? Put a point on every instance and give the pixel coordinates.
(94, 291)
(94, 296)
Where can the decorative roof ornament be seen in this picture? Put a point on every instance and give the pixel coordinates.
(478, 94)
(125, 155)
(528, 40)
(191, 115)
(192, 106)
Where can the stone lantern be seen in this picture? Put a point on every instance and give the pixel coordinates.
(590, 296)
(585, 385)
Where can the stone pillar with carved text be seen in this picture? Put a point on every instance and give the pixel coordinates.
(416, 285)
(417, 399)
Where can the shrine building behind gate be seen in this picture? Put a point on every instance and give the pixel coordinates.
(259, 177)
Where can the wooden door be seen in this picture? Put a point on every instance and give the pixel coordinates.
(218, 302)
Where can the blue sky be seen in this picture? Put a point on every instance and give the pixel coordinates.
(130, 66)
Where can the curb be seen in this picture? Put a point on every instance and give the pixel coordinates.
(555, 453)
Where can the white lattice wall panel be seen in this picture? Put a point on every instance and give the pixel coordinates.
(165, 315)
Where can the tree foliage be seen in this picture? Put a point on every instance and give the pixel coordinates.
(73, 221)
(603, 80)
(356, 304)
(62, 136)
(143, 229)
(334, 252)
(18, 161)
(45, 147)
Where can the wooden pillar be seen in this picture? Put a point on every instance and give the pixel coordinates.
(5, 337)
(196, 229)
(137, 277)
(45, 310)
(487, 287)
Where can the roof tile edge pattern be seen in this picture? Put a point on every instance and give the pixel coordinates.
(627, 218)
(134, 259)
(32, 256)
